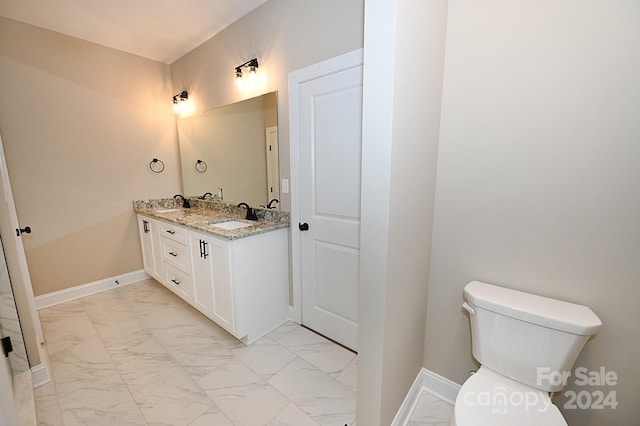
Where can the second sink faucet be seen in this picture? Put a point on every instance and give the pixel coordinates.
(275, 200)
(185, 203)
(251, 213)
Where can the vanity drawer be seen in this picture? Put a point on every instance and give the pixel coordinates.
(178, 282)
(176, 254)
(175, 233)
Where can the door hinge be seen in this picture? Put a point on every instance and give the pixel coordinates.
(7, 346)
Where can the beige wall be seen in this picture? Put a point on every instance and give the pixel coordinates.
(285, 35)
(80, 123)
(538, 177)
(537, 166)
(401, 116)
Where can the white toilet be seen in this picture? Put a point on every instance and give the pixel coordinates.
(523, 342)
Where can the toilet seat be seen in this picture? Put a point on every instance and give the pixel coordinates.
(490, 399)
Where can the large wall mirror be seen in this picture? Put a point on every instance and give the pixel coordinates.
(232, 151)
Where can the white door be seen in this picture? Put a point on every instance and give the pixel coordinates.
(14, 252)
(8, 413)
(17, 266)
(9, 327)
(329, 123)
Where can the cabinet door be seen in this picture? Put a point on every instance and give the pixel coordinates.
(149, 240)
(202, 274)
(223, 292)
(213, 289)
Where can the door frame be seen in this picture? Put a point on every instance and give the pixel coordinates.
(272, 162)
(296, 78)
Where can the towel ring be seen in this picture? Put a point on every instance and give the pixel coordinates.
(156, 166)
(201, 166)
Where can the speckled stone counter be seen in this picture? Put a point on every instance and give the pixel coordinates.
(204, 212)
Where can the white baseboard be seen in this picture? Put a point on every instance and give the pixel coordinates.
(431, 382)
(40, 375)
(68, 294)
(410, 400)
(294, 315)
(441, 387)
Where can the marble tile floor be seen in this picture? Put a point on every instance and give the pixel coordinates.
(138, 355)
(430, 411)
(25, 400)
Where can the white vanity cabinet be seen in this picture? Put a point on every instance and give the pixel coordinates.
(150, 242)
(243, 284)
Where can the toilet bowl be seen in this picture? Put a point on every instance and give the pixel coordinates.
(488, 398)
(514, 335)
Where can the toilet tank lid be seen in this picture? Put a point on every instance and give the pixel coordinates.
(544, 311)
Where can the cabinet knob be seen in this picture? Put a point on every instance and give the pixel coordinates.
(303, 226)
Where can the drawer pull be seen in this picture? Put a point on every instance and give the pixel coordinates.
(170, 231)
(174, 254)
(176, 282)
(203, 249)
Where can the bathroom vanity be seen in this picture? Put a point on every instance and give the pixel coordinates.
(232, 270)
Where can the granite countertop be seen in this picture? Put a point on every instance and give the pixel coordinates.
(204, 212)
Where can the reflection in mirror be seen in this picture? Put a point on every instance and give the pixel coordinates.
(232, 152)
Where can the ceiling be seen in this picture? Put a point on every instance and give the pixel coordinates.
(162, 30)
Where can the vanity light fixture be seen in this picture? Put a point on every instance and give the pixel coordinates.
(252, 64)
(179, 101)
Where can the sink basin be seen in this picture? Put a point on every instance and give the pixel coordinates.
(230, 225)
(168, 210)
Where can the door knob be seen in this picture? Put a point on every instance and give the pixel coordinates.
(25, 230)
(303, 226)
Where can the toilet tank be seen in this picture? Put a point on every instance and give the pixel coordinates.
(526, 337)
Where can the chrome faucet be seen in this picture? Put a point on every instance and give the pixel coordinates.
(251, 213)
(185, 202)
(272, 201)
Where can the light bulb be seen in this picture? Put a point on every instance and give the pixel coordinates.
(239, 82)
